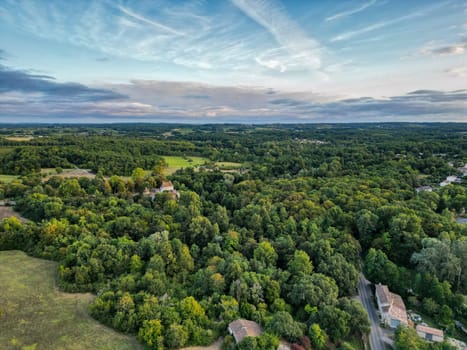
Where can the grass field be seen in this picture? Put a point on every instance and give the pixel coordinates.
(228, 165)
(176, 163)
(7, 178)
(19, 138)
(67, 173)
(5, 150)
(35, 315)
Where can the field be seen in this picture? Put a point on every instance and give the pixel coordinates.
(7, 178)
(176, 163)
(19, 138)
(5, 150)
(67, 173)
(35, 315)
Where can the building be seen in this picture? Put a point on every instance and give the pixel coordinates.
(463, 170)
(424, 189)
(244, 328)
(391, 307)
(167, 186)
(430, 334)
(449, 180)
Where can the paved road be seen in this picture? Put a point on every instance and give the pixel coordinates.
(376, 335)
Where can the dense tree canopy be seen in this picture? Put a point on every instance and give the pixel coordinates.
(279, 239)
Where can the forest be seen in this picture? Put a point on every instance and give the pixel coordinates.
(280, 240)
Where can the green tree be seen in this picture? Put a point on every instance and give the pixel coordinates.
(151, 334)
(318, 336)
(283, 325)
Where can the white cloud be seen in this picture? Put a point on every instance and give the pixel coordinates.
(350, 12)
(457, 71)
(303, 49)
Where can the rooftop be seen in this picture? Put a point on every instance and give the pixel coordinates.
(430, 330)
(244, 328)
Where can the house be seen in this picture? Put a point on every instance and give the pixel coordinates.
(244, 328)
(449, 180)
(166, 186)
(430, 334)
(463, 170)
(424, 189)
(391, 307)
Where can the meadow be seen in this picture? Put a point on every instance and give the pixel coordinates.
(34, 315)
(177, 162)
(7, 178)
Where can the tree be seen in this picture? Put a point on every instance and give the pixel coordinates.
(175, 336)
(314, 290)
(151, 334)
(343, 272)
(406, 338)
(283, 325)
(300, 264)
(360, 322)
(318, 336)
(265, 254)
(334, 321)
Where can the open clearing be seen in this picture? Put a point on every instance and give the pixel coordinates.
(19, 138)
(67, 173)
(7, 178)
(36, 315)
(7, 212)
(176, 162)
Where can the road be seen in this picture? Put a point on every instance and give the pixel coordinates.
(376, 334)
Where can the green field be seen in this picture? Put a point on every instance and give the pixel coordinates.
(5, 150)
(228, 165)
(176, 163)
(36, 316)
(7, 178)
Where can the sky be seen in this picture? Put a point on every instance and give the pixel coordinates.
(229, 61)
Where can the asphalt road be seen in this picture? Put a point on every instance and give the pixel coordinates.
(376, 335)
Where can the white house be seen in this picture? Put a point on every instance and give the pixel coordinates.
(430, 334)
(167, 186)
(391, 307)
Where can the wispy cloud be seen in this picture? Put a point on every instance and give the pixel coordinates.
(372, 27)
(151, 22)
(302, 49)
(382, 24)
(350, 12)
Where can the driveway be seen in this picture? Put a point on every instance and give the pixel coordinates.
(378, 337)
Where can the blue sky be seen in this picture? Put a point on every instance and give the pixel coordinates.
(233, 61)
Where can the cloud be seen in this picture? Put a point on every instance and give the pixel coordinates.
(197, 97)
(421, 105)
(153, 23)
(302, 49)
(12, 80)
(457, 71)
(168, 101)
(352, 33)
(350, 12)
(455, 49)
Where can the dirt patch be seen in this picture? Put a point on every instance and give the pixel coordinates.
(7, 212)
(68, 173)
